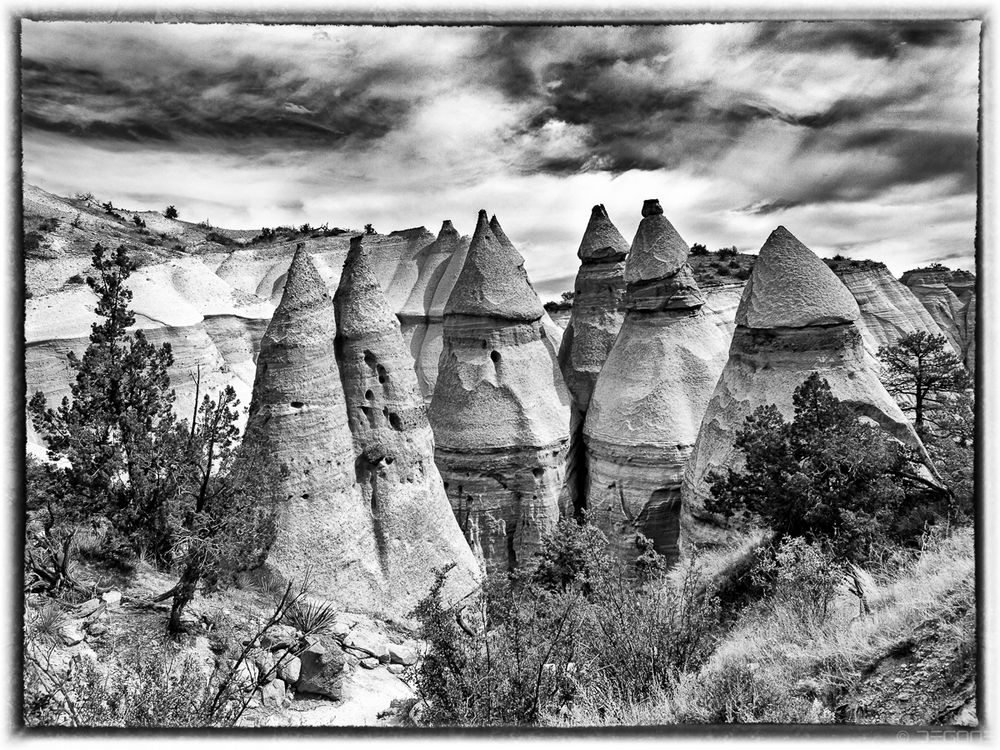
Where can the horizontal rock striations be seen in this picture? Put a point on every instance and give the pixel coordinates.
(795, 318)
(889, 309)
(298, 412)
(949, 296)
(651, 393)
(594, 323)
(409, 517)
(500, 410)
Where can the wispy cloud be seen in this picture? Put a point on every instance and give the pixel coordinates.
(735, 126)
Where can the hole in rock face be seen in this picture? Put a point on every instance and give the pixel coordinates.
(395, 422)
(484, 345)
(296, 404)
(369, 395)
(495, 356)
(389, 460)
(305, 496)
(445, 486)
(537, 472)
(370, 359)
(382, 379)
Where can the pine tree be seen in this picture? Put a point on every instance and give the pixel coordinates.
(924, 376)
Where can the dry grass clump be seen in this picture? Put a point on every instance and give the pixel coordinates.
(786, 660)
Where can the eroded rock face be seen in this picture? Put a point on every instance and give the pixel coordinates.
(298, 412)
(411, 521)
(594, 323)
(889, 309)
(500, 411)
(421, 317)
(949, 296)
(651, 393)
(791, 287)
(770, 359)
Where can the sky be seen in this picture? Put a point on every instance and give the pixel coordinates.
(859, 137)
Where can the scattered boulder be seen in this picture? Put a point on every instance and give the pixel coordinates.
(396, 668)
(321, 668)
(368, 642)
(289, 668)
(370, 662)
(272, 695)
(72, 633)
(90, 608)
(279, 637)
(112, 599)
(400, 654)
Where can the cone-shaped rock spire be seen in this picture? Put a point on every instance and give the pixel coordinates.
(500, 410)
(790, 287)
(795, 318)
(493, 282)
(298, 412)
(593, 325)
(657, 250)
(651, 393)
(601, 240)
(411, 522)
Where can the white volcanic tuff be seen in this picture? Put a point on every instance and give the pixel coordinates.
(938, 291)
(889, 309)
(298, 412)
(500, 411)
(651, 393)
(180, 302)
(412, 524)
(791, 287)
(768, 362)
(422, 313)
(594, 322)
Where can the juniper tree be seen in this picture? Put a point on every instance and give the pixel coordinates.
(115, 442)
(826, 476)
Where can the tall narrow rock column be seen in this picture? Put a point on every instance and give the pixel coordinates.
(651, 394)
(593, 326)
(795, 318)
(414, 529)
(500, 410)
(297, 412)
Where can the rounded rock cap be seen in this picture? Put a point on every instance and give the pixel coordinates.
(493, 282)
(657, 250)
(601, 239)
(790, 287)
(360, 303)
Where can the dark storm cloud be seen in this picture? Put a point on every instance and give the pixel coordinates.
(248, 98)
(869, 39)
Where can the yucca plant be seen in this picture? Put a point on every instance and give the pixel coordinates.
(310, 616)
(48, 621)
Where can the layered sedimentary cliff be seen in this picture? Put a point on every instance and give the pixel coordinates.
(950, 298)
(422, 314)
(795, 318)
(593, 325)
(411, 522)
(651, 393)
(500, 410)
